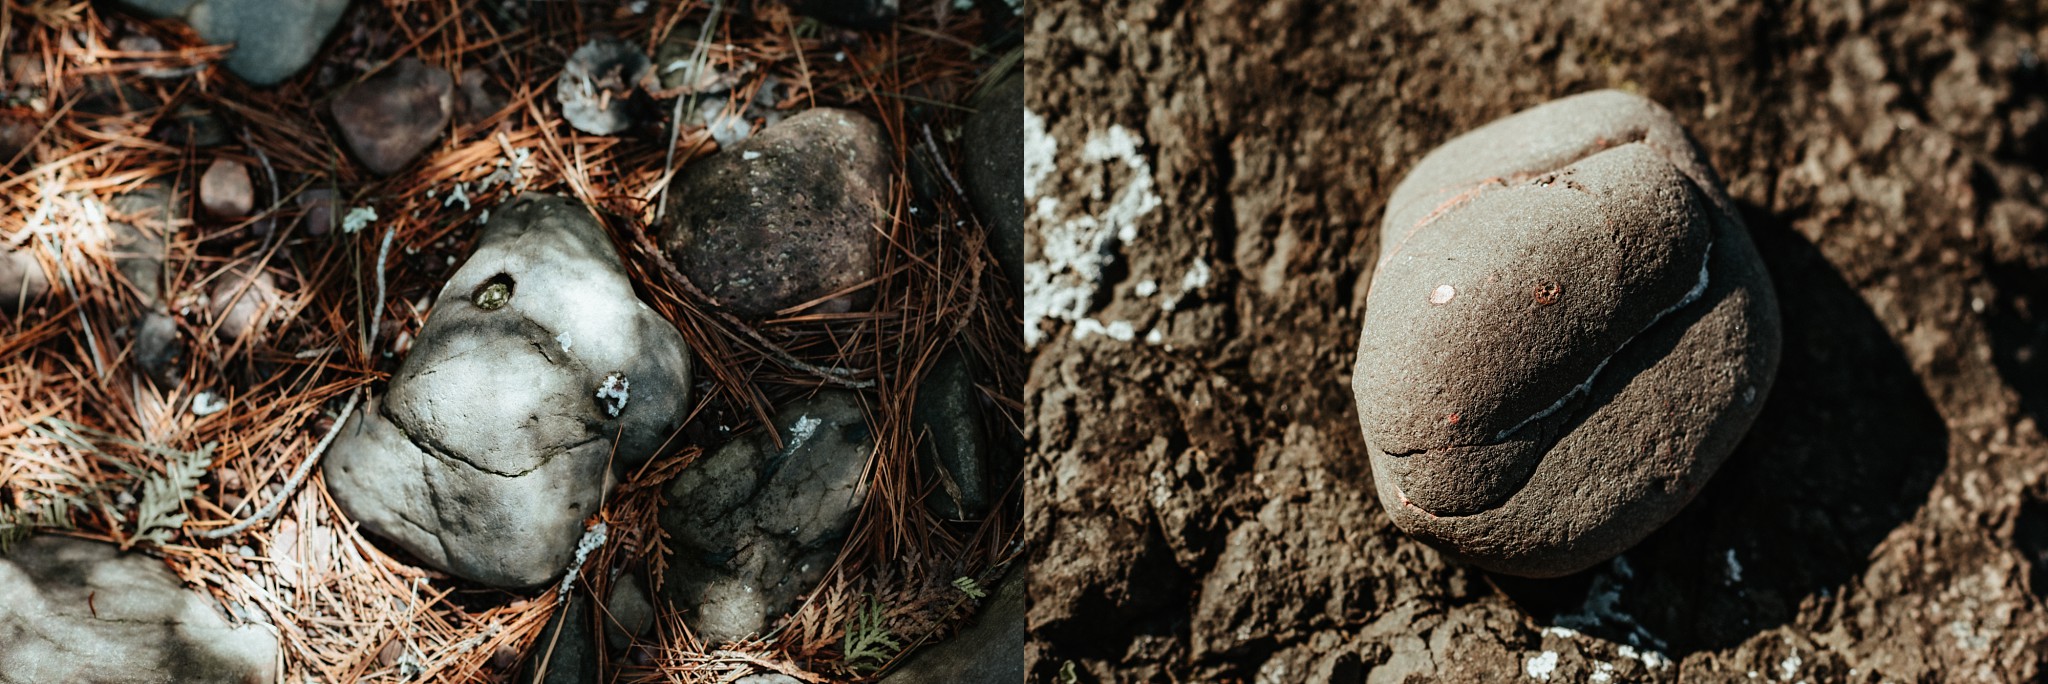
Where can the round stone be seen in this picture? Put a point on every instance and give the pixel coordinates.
(1600, 356)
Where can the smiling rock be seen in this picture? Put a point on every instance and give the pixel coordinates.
(538, 373)
(1568, 330)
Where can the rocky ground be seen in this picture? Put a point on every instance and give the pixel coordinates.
(527, 282)
(1209, 181)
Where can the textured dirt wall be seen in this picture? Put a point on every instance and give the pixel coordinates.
(1211, 178)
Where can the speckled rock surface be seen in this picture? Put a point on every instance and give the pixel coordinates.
(791, 214)
(273, 39)
(752, 527)
(992, 154)
(1568, 332)
(81, 611)
(490, 447)
(389, 119)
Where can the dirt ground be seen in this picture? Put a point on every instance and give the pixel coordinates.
(1200, 507)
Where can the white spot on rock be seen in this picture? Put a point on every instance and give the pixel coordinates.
(1541, 666)
(563, 339)
(1442, 294)
(614, 393)
(1734, 567)
(1060, 285)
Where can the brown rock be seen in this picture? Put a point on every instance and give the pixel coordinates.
(225, 190)
(391, 118)
(790, 215)
(1567, 332)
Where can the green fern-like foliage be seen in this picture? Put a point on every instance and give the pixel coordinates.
(868, 643)
(161, 511)
(968, 586)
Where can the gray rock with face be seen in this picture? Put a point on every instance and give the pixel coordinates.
(537, 373)
(273, 39)
(1567, 332)
(75, 611)
(992, 150)
(753, 526)
(790, 215)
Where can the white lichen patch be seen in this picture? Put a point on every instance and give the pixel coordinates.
(801, 432)
(592, 539)
(1734, 567)
(563, 339)
(1539, 667)
(1121, 331)
(358, 218)
(613, 393)
(1061, 284)
(1789, 667)
(207, 403)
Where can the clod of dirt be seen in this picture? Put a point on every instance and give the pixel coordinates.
(599, 84)
(791, 215)
(990, 650)
(954, 453)
(1568, 332)
(244, 300)
(61, 598)
(391, 118)
(753, 526)
(862, 14)
(22, 280)
(492, 444)
(992, 150)
(273, 39)
(225, 190)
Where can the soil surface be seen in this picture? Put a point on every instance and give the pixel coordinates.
(1202, 509)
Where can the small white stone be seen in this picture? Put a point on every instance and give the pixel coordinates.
(206, 404)
(1442, 294)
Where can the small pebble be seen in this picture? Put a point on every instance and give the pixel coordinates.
(225, 190)
(394, 116)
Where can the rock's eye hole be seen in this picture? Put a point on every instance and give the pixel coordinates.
(494, 293)
(1547, 292)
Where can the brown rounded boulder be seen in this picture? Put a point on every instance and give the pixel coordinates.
(1567, 332)
(791, 215)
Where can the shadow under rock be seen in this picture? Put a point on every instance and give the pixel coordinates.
(1844, 451)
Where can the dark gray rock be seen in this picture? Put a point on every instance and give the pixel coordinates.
(862, 14)
(389, 119)
(80, 611)
(566, 651)
(599, 85)
(752, 526)
(628, 613)
(992, 150)
(787, 216)
(159, 352)
(990, 650)
(537, 369)
(322, 210)
(954, 451)
(1567, 332)
(273, 39)
(22, 280)
(141, 220)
